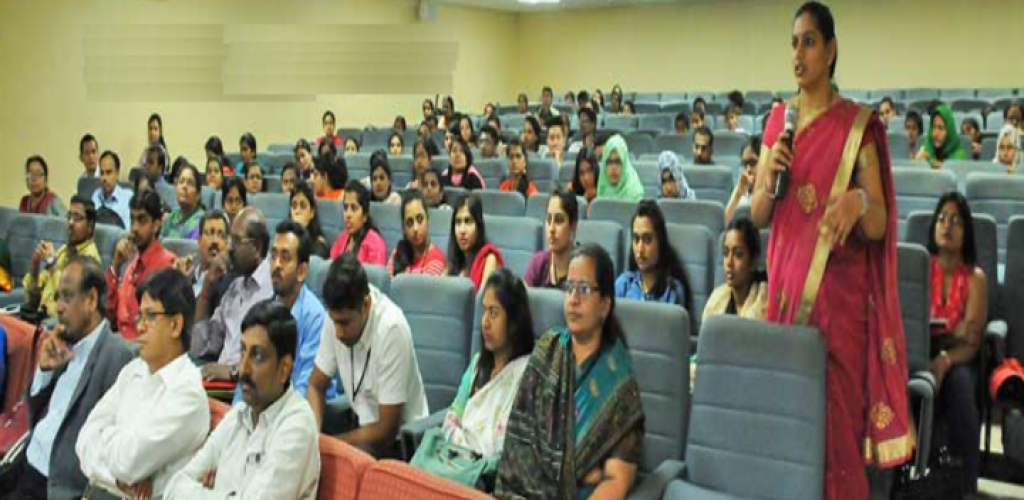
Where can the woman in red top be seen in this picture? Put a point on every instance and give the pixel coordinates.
(959, 309)
(833, 257)
(518, 179)
(360, 236)
(329, 122)
(39, 200)
(415, 253)
(469, 253)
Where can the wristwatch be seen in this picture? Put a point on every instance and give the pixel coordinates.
(233, 372)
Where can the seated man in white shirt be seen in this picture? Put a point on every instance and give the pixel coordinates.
(369, 343)
(268, 446)
(156, 416)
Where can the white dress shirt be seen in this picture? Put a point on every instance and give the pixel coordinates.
(277, 459)
(382, 365)
(147, 426)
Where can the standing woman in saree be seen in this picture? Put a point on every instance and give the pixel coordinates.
(832, 258)
(576, 426)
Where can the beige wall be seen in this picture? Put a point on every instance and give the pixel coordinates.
(724, 45)
(742, 44)
(44, 109)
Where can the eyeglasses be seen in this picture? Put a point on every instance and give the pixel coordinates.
(33, 176)
(582, 288)
(148, 317)
(75, 218)
(750, 162)
(953, 219)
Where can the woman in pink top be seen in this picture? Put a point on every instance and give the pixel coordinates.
(416, 254)
(360, 237)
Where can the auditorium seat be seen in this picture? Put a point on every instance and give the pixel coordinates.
(390, 480)
(273, 164)
(566, 171)
(919, 189)
(332, 218)
(664, 123)
(515, 121)
(375, 139)
(182, 247)
(275, 206)
(965, 168)
(357, 162)
(378, 276)
(989, 147)
(758, 412)
(168, 195)
(617, 211)
(87, 186)
(21, 235)
(454, 195)
(709, 214)
(440, 228)
(998, 195)
(640, 144)
(994, 121)
(899, 144)
(710, 182)
(678, 144)
(507, 203)
(348, 132)
(729, 144)
(493, 170)
(388, 219)
(518, 238)
(341, 469)
(272, 184)
(53, 229)
(650, 177)
(1013, 291)
(695, 248)
(280, 148)
(914, 272)
(608, 235)
(544, 174)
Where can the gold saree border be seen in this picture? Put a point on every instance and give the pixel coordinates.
(822, 248)
(889, 452)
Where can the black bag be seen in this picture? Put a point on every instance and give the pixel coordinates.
(944, 479)
(107, 216)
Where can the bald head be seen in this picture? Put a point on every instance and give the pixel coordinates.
(249, 241)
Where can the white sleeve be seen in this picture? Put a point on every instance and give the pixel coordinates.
(394, 372)
(187, 483)
(326, 360)
(294, 450)
(93, 438)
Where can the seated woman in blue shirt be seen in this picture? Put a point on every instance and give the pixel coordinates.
(655, 273)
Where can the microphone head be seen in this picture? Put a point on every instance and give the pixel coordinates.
(790, 118)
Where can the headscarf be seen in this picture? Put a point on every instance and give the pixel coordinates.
(1014, 135)
(629, 187)
(951, 149)
(668, 160)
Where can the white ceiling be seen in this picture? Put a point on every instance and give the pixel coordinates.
(514, 5)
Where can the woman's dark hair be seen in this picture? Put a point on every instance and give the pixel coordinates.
(523, 186)
(754, 144)
(354, 141)
(176, 168)
(42, 163)
(585, 155)
(214, 145)
(465, 150)
(969, 252)
(249, 140)
(400, 120)
(1015, 104)
(400, 139)
(825, 23)
(155, 117)
(379, 159)
(428, 145)
(451, 103)
(604, 270)
(332, 150)
(570, 205)
(472, 129)
(915, 117)
(535, 124)
(303, 188)
(457, 260)
(334, 169)
(303, 144)
(404, 252)
(232, 182)
(433, 109)
(511, 294)
(281, 327)
(161, 157)
(363, 198)
(736, 98)
(136, 185)
(668, 265)
(294, 167)
(434, 171)
(196, 178)
(752, 240)
(972, 122)
(330, 114)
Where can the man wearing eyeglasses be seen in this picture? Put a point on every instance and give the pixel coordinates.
(47, 264)
(217, 333)
(213, 241)
(77, 363)
(144, 255)
(155, 416)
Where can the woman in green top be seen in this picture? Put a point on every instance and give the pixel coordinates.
(184, 221)
(942, 142)
(618, 177)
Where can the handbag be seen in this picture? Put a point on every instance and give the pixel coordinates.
(943, 479)
(14, 425)
(453, 462)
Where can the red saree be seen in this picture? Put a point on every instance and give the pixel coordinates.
(849, 294)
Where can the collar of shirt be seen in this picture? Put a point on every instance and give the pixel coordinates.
(82, 247)
(171, 373)
(145, 259)
(366, 339)
(83, 348)
(260, 278)
(116, 195)
(303, 303)
(269, 415)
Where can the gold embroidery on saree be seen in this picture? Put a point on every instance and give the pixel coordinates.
(881, 415)
(808, 198)
(889, 351)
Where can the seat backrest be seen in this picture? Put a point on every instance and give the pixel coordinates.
(663, 123)
(899, 144)
(22, 238)
(332, 218)
(915, 303)
(695, 247)
(275, 206)
(440, 314)
(650, 177)
(606, 234)
(317, 275)
(378, 276)
(182, 247)
(1000, 196)
(617, 211)
(709, 214)
(640, 143)
(518, 238)
(390, 479)
(52, 228)
(167, 195)
(678, 144)
(272, 184)
(508, 203)
(375, 139)
(544, 174)
(1013, 288)
(388, 219)
(622, 123)
(341, 469)
(658, 337)
(492, 170)
(87, 186)
(758, 407)
(919, 190)
(966, 168)
(106, 238)
(710, 182)
(440, 228)
(401, 170)
(6, 214)
(729, 144)
(358, 161)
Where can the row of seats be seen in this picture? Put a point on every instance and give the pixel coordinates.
(989, 121)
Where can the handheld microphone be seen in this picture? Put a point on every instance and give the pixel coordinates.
(782, 180)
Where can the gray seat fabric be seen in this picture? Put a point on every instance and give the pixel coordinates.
(22, 238)
(709, 214)
(358, 161)
(518, 238)
(695, 247)
(51, 228)
(899, 143)
(758, 407)
(678, 144)
(658, 337)
(1001, 197)
(964, 169)
(640, 144)
(182, 247)
(87, 186)
(544, 174)
(440, 228)
(622, 123)
(454, 195)
(167, 195)
(606, 234)
(273, 163)
(650, 177)
(493, 170)
(915, 303)
(332, 218)
(617, 211)
(664, 123)
(729, 144)
(207, 197)
(710, 182)
(919, 189)
(274, 206)
(1013, 291)
(106, 238)
(388, 220)
(507, 203)
(272, 184)
(566, 172)
(6, 214)
(376, 275)
(375, 139)
(440, 315)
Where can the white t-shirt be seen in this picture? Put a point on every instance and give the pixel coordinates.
(382, 365)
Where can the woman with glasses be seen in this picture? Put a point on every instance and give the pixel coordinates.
(745, 183)
(40, 200)
(577, 425)
(184, 221)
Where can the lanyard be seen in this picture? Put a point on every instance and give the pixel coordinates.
(366, 363)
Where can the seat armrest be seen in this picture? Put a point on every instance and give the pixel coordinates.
(412, 433)
(653, 486)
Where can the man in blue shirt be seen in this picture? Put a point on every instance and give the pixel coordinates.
(110, 195)
(289, 267)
